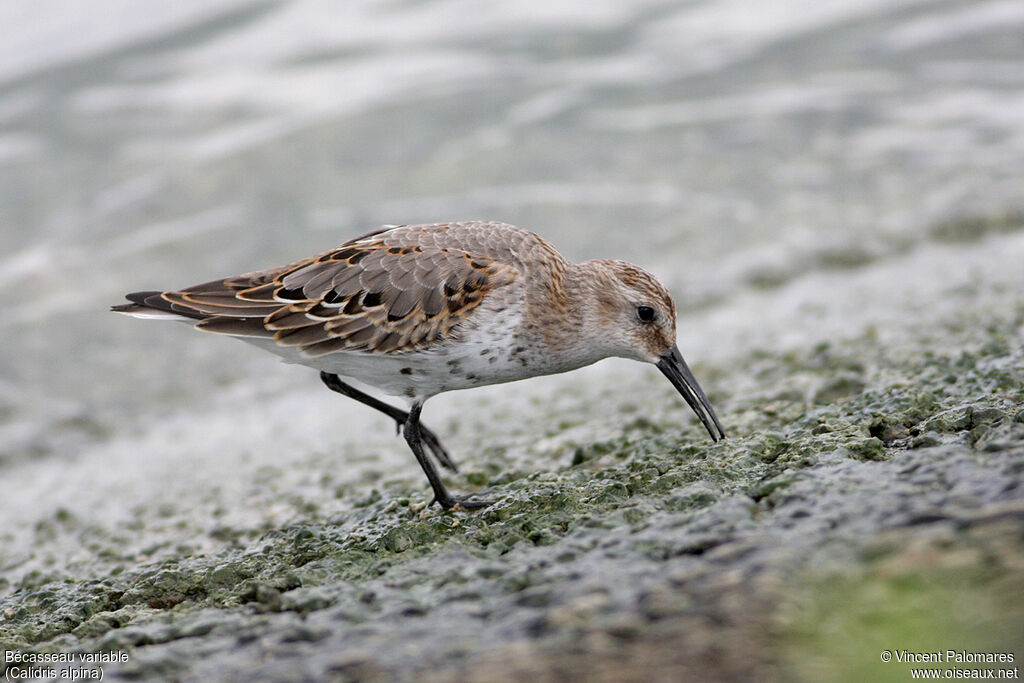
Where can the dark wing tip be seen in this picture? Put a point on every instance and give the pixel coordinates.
(141, 301)
(143, 298)
(154, 301)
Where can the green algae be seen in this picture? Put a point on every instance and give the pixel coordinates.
(629, 547)
(921, 593)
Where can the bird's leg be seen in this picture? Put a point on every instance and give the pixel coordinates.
(400, 417)
(413, 437)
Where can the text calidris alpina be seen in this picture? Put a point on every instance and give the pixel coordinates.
(416, 310)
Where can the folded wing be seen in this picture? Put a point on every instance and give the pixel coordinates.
(365, 295)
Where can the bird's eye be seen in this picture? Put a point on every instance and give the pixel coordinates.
(646, 314)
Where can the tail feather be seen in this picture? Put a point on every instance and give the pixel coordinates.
(152, 305)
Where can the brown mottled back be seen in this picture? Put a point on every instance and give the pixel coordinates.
(395, 289)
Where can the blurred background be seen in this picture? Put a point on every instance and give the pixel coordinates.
(724, 144)
(732, 147)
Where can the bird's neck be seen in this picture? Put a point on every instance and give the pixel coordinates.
(570, 304)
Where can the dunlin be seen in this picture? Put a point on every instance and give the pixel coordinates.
(416, 310)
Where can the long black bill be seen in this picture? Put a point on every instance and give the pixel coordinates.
(674, 367)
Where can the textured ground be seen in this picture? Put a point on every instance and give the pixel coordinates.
(869, 497)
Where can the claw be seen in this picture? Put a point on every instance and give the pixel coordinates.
(456, 504)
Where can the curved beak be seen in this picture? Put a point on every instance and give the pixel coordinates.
(674, 367)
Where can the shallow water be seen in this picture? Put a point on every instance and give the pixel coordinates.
(798, 172)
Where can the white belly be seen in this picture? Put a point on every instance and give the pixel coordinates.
(484, 352)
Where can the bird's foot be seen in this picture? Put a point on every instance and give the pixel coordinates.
(460, 503)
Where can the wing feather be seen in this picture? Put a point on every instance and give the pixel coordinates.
(389, 291)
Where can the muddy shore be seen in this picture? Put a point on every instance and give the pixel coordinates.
(869, 498)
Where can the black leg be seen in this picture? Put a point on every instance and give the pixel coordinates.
(413, 436)
(400, 417)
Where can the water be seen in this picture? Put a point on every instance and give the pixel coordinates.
(752, 155)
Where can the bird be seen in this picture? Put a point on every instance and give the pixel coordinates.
(417, 310)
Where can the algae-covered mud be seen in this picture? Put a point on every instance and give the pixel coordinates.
(869, 498)
(834, 194)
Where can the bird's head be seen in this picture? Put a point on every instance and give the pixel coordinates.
(636, 319)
